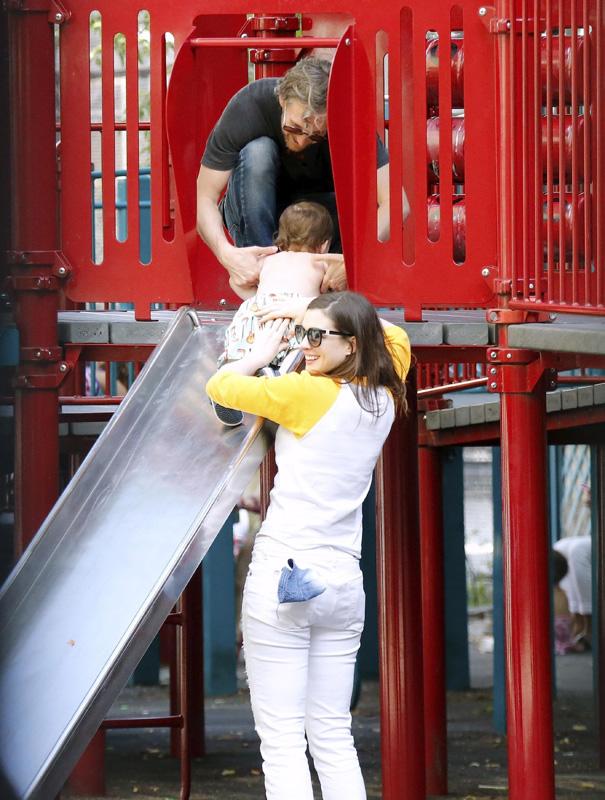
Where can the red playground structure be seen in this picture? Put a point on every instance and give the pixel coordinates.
(494, 120)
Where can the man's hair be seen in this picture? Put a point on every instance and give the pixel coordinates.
(304, 226)
(307, 82)
(371, 365)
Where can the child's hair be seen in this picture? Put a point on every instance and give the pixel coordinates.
(560, 567)
(371, 364)
(304, 226)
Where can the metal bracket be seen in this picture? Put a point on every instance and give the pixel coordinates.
(61, 268)
(53, 376)
(281, 54)
(487, 15)
(288, 22)
(57, 12)
(517, 371)
(40, 355)
(509, 316)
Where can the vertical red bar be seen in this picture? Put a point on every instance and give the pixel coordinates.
(33, 214)
(400, 611)
(433, 620)
(526, 596)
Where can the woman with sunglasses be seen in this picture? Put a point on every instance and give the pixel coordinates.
(303, 607)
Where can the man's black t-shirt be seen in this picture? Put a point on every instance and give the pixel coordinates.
(254, 112)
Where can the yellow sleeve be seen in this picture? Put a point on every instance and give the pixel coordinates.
(297, 401)
(398, 344)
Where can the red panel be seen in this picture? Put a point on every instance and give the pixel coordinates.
(410, 269)
(121, 276)
(554, 266)
(195, 101)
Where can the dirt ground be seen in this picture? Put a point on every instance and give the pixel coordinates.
(139, 765)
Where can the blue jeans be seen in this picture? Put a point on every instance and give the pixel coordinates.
(251, 207)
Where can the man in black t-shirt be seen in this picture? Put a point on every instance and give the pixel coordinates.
(269, 149)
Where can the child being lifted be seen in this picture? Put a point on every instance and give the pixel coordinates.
(289, 280)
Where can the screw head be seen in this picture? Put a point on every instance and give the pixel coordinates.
(482, 11)
(63, 367)
(509, 355)
(244, 36)
(222, 302)
(493, 371)
(62, 271)
(494, 316)
(493, 385)
(347, 42)
(485, 272)
(493, 354)
(58, 17)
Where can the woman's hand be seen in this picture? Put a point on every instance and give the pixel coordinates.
(270, 339)
(293, 309)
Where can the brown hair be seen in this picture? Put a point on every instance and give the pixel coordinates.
(307, 82)
(304, 226)
(371, 365)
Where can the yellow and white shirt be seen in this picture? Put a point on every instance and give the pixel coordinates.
(326, 448)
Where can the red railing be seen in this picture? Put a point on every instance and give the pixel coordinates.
(552, 96)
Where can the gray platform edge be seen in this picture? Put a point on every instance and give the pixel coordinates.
(480, 413)
(50, 777)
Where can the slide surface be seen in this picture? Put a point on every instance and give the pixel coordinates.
(92, 590)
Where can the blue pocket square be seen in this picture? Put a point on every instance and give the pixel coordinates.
(297, 585)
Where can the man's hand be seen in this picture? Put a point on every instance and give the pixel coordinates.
(244, 263)
(335, 278)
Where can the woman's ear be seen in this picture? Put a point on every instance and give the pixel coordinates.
(353, 343)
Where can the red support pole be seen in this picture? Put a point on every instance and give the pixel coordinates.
(433, 620)
(400, 610)
(526, 595)
(34, 238)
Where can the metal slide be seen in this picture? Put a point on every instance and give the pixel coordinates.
(93, 588)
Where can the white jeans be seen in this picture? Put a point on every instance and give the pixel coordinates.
(300, 660)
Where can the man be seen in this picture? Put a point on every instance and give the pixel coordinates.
(269, 149)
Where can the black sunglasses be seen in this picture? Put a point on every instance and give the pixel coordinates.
(314, 137)
(315, 335)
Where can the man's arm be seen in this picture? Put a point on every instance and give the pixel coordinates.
(382, 186)
(242, 263)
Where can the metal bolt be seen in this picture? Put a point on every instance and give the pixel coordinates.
(493, 354)
(38, 354)
(485, 272)
(508, 25)
(494, 316)
(493, 385)
(63, 367)
(244, 36)
(531, 285)
(482, 11)
(509, 355)
(222, 302)
(58, 17)
(62, 271)
(348, 42)
(493, 371)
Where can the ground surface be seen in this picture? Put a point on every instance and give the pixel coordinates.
(139, 765)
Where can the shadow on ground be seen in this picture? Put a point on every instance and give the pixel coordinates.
(139, 764)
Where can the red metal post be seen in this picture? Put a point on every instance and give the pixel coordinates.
(400, 610)
(34, 239)
(526, 594)
(433, 620)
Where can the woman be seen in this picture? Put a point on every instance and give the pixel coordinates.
(333, 419)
